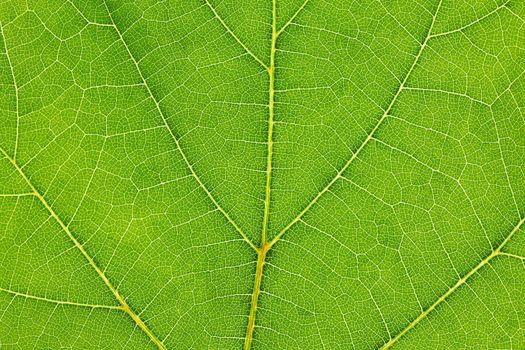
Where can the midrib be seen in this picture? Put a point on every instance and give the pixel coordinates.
(266, 246)
(263, 249)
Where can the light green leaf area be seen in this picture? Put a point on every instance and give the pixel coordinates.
(278, 174)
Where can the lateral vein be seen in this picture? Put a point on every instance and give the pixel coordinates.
(16, 194)
(458, 284)
(175, 138)
(510, 255)
(17, 108)
(460, 29)
(235, 36)
(124, 305)
(60, 302)
(367, 139)
(290, 21)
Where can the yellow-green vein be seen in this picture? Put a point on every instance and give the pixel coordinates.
(299, 10)
(59, 302)
(368, 137)
(263, 249)
(458, 284)
(92, 263)
(261, 252)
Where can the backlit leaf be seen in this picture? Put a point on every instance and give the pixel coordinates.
(277, 174)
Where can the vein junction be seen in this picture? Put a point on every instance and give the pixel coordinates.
(263, 249)
(265, 246)
(459, 283)
(123, 304)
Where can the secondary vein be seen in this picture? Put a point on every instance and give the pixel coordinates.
(60, 302)
(235, 36)
(17, 108)
(458, 284)
(124, 305)
(175, 138)
(368, 137)
(290, 21)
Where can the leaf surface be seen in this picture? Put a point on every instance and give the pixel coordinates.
(280, 174)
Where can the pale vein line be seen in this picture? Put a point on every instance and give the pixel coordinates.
(515, 14)
(88, 21)
(513, 255)
(235, 36)
(500, 148)
(325, 30)
(60, 302)
(456, 180)
(124, 305)
(16, 194)
(183, 155)
(472, 23)
(368, 138)
(518, 78)
(17, 109)
(458, 284)
(290, 21)
(452, 93)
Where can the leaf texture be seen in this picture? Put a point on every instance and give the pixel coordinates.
(280, 174)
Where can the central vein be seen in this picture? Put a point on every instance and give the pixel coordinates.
(263, 249)
(271, 94)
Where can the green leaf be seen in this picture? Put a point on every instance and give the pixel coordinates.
(279, 174)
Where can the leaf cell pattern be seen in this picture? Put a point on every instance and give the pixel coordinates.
(262, 175)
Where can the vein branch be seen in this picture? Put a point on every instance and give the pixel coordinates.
(368, 137)
(60, 302)
(175, 138)
(462, 28)
(246, 48)
(458, 284)
(124, 305)
(451, 93)
(17, 109)
(290, 21)
(16, 194)
(515, 256)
